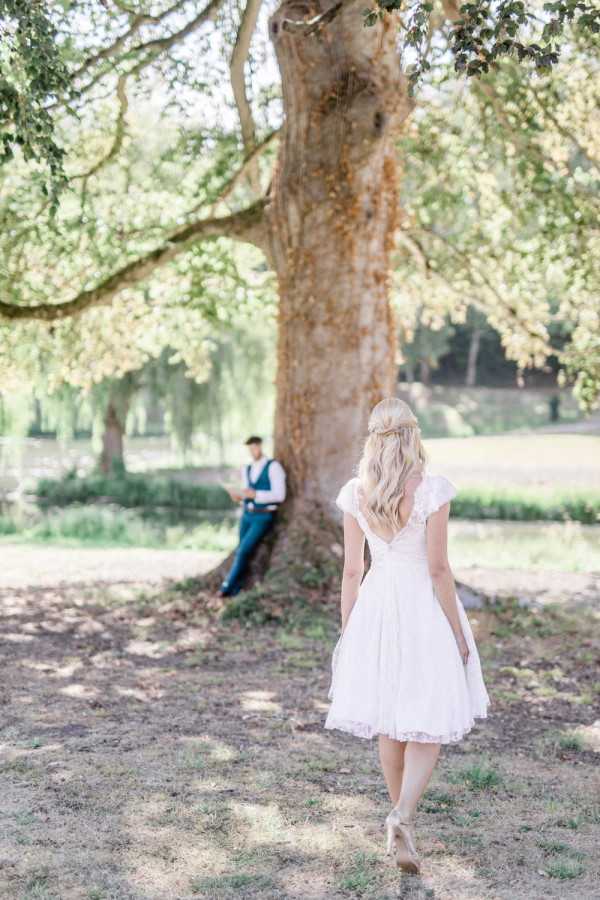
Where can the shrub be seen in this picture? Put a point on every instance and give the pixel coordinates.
(525, 506)
(131, 490)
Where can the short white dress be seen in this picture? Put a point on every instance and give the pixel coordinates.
(396, 670)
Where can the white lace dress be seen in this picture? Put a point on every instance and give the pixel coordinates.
(396, 670)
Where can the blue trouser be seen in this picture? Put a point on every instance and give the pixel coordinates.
(253, 527)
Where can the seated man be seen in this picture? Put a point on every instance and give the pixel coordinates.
(263, 491)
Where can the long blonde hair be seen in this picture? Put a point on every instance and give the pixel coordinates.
(392, 452)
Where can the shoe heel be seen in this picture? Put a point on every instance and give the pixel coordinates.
(401, 845)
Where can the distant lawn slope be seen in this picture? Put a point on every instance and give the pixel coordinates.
(459, 411)
(548, 463)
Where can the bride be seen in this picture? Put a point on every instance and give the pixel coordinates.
(405, 667)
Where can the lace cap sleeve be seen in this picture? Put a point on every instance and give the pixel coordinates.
(441, 491)
(345, 500)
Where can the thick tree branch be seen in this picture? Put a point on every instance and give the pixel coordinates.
(237, 176)
(119, 134)
(309, 26)
(237, 65)
(416, 250)
(451, 10)
(245, 225)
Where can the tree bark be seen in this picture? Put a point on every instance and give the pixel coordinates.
(332, 215)
(115, 418)
(471, 376)
(112, 440)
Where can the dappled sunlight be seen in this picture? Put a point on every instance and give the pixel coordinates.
(217, 777)
(323, 837)
(350, 805)
(454, 873)
(13, 605)
(260, 701)
(68, 669)
(209, 753)
(54, 670)
(590, 735)
(160, 857)
(80, 691)
(151, 649)
(320, 706)
(263, 823)
(191, 639)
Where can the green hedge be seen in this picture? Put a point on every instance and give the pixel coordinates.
(526, 506)
(132, 491)
(153, 491)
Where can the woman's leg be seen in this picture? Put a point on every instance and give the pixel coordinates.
(391, 756)
(419, 763)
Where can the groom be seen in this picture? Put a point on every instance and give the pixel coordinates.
(262, 493)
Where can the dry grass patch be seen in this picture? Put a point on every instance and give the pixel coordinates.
(151, 752)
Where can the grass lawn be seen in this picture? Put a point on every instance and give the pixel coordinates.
(546, 462)
(532, 546)
(151, 752)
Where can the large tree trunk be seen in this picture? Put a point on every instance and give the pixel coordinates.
(332, 215)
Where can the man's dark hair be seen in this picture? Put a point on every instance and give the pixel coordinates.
(254, 439)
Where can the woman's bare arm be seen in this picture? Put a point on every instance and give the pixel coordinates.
(354, 565)
(441, 573)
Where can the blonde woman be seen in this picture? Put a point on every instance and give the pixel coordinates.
(405, 667)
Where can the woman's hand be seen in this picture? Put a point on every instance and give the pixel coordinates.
(463, 648)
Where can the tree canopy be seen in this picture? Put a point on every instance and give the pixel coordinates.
(164, 119)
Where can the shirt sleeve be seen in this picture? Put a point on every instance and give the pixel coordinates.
(345, 499)
(277, 479)
(442, 490)
(244, 476)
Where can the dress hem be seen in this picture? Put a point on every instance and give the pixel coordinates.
(363, 730)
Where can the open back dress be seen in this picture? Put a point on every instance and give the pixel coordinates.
(396, 669)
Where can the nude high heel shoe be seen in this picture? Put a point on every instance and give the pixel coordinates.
(400, 843)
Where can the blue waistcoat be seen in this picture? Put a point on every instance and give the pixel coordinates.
(262, 483)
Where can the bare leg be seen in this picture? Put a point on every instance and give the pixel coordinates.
(419, 763)
(391, 756)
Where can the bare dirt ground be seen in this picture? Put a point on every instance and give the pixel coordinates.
(27, 565)
(150, 751)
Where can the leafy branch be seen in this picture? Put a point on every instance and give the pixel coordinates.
(31, 73)
(484, 31)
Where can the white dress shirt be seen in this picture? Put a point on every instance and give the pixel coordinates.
(276, 477)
